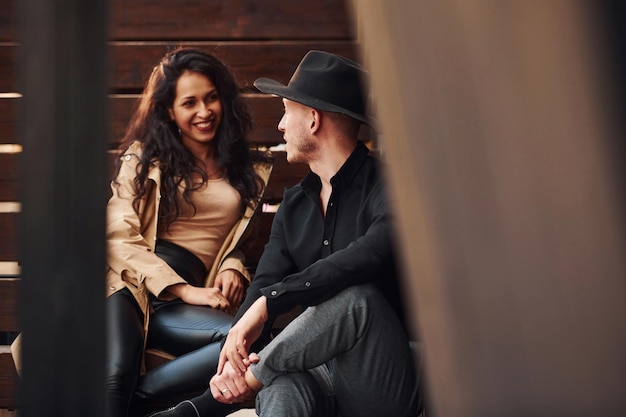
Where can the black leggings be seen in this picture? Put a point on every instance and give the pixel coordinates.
(192, 333)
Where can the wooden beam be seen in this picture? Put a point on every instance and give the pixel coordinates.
(218, 20)
(62, 64)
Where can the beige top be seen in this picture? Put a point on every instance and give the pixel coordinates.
(217, 206)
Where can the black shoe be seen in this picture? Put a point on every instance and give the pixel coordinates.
(183, 409)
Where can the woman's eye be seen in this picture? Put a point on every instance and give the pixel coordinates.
(213, 96)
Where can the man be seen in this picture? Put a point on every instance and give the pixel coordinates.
(330, 250)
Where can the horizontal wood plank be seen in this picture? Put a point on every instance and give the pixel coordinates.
(8, 122)
(8, 68)
(216, 19)
(8, 379)
(8, 237)
(231, 20)
(8, 21)
(132, 62)
(9, 296)
(8, 177)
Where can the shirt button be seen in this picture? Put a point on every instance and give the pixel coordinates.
(273, 293)
(325, 242)
(307, 284)
(112, 288)
(127, 157)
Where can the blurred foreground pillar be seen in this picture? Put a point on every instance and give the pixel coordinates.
(62, 76)
(499, 129)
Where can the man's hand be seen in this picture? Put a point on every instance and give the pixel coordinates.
(230, 387)
(253, 383)
(242, 335)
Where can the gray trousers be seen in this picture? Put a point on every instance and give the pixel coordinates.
(348, 356)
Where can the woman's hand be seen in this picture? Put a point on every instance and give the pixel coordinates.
(242, 335)
(200, 296)
(231, 284)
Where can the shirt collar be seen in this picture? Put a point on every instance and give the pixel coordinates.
(346, 173)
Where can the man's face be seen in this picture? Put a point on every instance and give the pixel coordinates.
(295, 125)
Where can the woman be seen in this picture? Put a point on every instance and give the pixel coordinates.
(178, 224)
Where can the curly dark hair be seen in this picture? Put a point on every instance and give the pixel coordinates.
(158, 134)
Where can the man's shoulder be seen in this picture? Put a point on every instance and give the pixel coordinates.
(371, 169)
(293, 192)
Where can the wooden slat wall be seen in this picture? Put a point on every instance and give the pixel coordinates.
(255, 38)
(131, 62)
(9, 323)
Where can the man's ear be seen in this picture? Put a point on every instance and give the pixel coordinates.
(315, 120)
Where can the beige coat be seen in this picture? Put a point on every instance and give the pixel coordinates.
(131, 239)
(132, 235)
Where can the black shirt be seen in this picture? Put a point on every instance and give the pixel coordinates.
(309, 257)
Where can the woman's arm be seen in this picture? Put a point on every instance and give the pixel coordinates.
(131, 233)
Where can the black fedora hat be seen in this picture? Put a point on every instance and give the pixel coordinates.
(325, 82)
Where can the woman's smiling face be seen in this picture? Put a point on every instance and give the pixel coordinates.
(197, 109)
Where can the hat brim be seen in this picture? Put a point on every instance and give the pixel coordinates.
(269, 86)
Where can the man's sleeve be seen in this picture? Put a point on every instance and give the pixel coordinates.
(274, 264)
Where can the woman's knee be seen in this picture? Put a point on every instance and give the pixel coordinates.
(182, 328)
